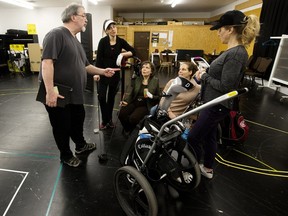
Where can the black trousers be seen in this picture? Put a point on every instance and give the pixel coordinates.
(132, 114)
(67, 123)
(107, 90)
(205, 130)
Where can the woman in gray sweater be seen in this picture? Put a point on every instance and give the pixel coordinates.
(225, 73)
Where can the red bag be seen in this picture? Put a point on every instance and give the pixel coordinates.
(234, 128)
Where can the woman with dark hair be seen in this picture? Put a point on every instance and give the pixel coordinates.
(224, 75)
(110, 53)
(144, 95)
(182, 100)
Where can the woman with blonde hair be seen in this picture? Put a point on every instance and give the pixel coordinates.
(225, 73)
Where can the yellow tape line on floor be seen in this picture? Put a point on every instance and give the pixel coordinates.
(269, 172)
(267, 126)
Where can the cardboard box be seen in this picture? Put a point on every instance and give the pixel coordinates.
(170, 22)
(179, 23)
(34, 56)
(193, 22)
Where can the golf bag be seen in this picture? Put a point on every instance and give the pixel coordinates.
(234, 129)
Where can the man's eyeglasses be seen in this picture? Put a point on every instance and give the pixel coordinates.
(82, 15)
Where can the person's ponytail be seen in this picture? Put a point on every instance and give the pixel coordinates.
(251, 30)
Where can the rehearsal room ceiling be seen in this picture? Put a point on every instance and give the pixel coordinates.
(135, 6)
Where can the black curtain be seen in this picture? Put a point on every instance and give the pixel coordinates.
(87, 43)
(274, 22)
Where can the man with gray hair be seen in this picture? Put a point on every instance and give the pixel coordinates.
(64, 62)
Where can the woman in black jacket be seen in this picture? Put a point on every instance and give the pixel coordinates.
(144, 95)
(110, 54)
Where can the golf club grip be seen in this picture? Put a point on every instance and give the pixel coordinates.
(242, 91)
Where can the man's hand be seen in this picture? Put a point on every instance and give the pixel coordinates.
(51, 98)
(109, 72)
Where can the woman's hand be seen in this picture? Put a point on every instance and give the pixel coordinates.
(171, 115)
(199, 74)
(96, 77)
(123, 103)
(149, 95)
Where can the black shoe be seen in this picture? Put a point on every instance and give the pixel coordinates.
(125, 133)
(103, 126)
(111, 124)
(87, 147)
(73, 162)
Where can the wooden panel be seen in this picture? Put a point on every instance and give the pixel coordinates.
(122, 31)
(188, 37)
(184, 37)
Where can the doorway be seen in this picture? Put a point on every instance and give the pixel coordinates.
(141, 45)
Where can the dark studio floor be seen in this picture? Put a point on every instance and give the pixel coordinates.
(249, 180)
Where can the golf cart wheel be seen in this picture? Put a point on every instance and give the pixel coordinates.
(134, 193)
(189, 172)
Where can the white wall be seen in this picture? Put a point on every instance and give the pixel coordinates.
(99, 15)
(48, 18)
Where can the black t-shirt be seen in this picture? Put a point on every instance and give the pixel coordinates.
(69, 61)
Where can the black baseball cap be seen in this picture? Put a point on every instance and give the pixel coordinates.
(234, 17)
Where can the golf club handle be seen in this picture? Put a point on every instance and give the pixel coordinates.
(242, 91)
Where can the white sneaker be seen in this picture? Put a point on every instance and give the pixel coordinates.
(205, 173)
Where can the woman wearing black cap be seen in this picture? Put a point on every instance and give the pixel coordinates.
(224, 75)
(110, 52)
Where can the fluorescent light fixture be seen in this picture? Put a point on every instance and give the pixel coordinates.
(174, 3)
(19, 3)
(95, 2)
